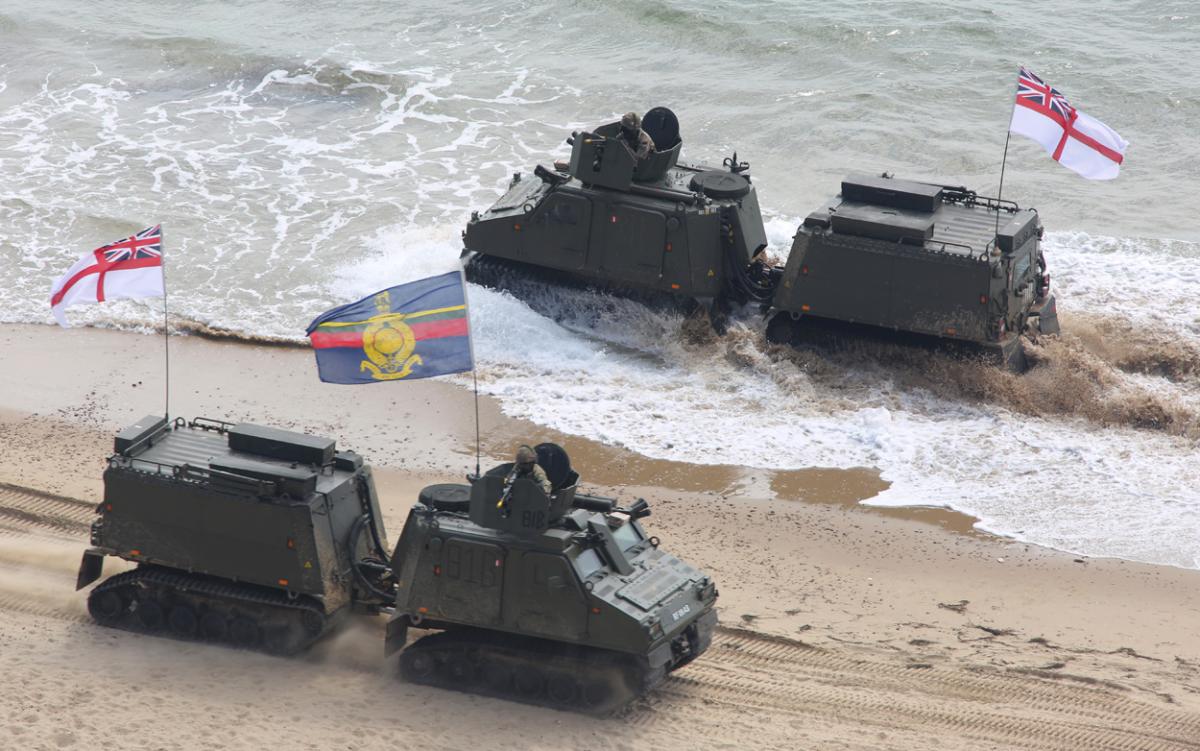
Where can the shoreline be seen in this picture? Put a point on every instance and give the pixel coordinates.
(608, 465)
(840, 626)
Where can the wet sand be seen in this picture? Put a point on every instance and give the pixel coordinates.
(997, 644)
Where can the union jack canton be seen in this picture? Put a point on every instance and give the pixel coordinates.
(145, 244)
(1036, 91)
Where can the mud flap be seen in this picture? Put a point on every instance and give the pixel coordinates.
(1012, 354)
(1047, 316)
(397, 634)
(89, 568)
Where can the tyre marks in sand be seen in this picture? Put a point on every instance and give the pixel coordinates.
(766, 678)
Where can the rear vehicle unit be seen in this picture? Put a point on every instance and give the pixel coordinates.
(240, 533)
(915, 257)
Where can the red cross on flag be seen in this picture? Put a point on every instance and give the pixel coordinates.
(124, 270)
(1074, 140)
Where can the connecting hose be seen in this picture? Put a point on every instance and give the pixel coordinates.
(359, 576)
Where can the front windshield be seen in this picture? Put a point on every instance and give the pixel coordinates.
(587, 563)
(627, 535)
(1021, 268)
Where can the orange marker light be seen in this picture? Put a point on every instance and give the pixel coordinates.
(291, 544)
(108, 507)
(283, 582)
(804, 270)
(674, 286)
(135, 552)
(951, 331)
(983, 299)
(422, 611)
(668, 247)
(805, 308)
(516, 228)
(596, 611)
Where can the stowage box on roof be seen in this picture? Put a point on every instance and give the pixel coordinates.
(138, 433)
(281, 444)
(897, 194)
(882, 224)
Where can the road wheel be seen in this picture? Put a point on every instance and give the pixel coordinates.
(214, 626)
(313, 622)
(244, 632)
(107, 606)
(182, 620)
(417, 665)
(561, 688)
(150, 614)
(459, 671)
(497, 677)
(596, 693)
(530, 683)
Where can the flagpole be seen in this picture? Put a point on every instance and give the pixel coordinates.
(1004, 162)
(166, 342)
(474, 370)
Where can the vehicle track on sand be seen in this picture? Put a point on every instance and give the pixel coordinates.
(777, 677)
(23, 511)
(773, 678)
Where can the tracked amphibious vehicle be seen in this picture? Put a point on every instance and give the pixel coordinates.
(928, 261)
(267, 539)
(655, 229)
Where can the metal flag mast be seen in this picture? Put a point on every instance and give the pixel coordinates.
(166, 337)
(1004, 162)
(474, 370)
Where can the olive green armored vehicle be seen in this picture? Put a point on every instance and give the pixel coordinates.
(561, 598)
(932, 263)
(919, 258)
(240, 533)
(268, 539)
(653, 229)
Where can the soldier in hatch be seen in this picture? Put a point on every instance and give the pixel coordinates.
(527, 466)
(634, 138)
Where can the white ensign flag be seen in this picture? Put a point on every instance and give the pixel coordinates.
(1076, 141)
(127, 269)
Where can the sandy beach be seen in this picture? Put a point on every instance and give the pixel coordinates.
(842, 627)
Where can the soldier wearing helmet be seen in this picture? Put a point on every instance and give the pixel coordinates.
(526, 466)
(634, 138)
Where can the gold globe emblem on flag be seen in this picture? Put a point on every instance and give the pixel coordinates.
(388, 343)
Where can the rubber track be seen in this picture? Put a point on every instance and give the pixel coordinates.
(623, 674)
(260, 601)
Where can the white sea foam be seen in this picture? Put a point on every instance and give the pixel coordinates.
(287, 185)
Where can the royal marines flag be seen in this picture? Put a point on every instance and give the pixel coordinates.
(1074, 140)
(123, 270)
(414, 330)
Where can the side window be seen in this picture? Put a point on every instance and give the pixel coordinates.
(551, 575)
(1021, 266)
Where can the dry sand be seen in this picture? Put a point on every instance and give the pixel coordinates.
(843, 628)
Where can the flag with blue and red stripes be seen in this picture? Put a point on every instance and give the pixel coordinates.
(415, 330)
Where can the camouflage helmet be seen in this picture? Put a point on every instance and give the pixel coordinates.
(631, 121)
(526, 455)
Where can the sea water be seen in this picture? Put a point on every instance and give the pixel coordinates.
(299, 157)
